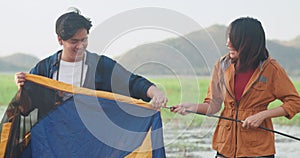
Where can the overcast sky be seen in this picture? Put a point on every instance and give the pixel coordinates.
(28, 26)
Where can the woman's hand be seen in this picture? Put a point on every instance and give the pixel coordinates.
(254, 121)
(183, 108)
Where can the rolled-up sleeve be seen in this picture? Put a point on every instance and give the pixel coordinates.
(286, 92)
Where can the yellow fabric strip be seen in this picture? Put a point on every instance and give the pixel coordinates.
(145, 150)
(6, 127)
(61, 86)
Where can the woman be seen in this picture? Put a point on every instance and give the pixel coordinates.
(246, 80)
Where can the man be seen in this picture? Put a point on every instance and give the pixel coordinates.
(75, 65)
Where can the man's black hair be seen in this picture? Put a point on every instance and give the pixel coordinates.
(69, 23)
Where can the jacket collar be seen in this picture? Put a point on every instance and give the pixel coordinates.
(229, 72)
(55, 59)
(54, 62)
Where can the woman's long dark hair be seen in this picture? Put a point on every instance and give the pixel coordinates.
(247, 36)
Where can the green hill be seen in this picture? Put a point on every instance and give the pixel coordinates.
(17, 62)
(191, 54)
(196, 53)
(292, 43)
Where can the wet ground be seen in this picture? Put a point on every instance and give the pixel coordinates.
(184, 141)
(196, 142)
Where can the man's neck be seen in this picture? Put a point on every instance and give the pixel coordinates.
(72, 58)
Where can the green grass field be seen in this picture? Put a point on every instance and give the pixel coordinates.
(184, 89)
(7, 88)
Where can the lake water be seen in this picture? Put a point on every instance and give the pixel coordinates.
(189, 142)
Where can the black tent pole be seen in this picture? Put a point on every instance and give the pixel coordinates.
(231, 119)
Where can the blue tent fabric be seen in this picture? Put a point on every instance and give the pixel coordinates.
(87, 126)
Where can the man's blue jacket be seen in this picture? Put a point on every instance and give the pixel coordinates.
(103, 74)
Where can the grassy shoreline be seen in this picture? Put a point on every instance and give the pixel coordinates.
(7, 88)
(183, 89)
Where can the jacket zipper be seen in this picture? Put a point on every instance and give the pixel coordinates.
(236, 128)
(236, 117)
(237, 106)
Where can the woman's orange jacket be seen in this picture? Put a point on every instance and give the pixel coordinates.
(268, 82)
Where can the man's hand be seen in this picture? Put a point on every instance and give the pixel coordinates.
(158, 98)
(20, 79)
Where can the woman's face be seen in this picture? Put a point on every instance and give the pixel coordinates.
(232, 52)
